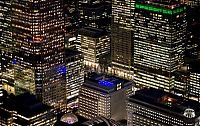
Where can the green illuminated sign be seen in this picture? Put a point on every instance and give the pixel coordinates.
(159, 9)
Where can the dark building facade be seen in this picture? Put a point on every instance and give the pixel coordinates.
(193, 33)
(25, 110)
(71, 22)
(95, 13)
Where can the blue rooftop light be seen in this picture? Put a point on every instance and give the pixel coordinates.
(14, 61)
(62, 69)
(105, 83)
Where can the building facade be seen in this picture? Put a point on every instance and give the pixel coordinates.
(100, 94)
(122, 35)
(193, 32)
(94, 44)
(95, 13)
(154, 107)
(6, 45)
(159, 37)
(71, 23)
(39, 49)
(74, 76)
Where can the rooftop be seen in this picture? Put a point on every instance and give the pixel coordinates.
(169, 7)
(167, 102)
(92, 32)
(4, 114)
(71, 52)
(26, 105)
(194, 66)
(105, 83)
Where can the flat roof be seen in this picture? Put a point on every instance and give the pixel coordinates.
(25, 104)
(195, 66)
(105, 83)
(71, 52)
(92, 32)
(166, 101)
(169, 7)
(4, 114)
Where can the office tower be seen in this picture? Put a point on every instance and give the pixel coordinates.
(192, 3)
(122, 37)
(26, 110)
(155, 107)
(6, 52)
(159, 37)
(71, 22)
(100, 94)
(74, 76)
(39, 49)
(95, 13)
(182, 81)
(94, 44)
(194, 85)
(193, 33)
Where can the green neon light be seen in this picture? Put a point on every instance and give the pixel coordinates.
(159, 9)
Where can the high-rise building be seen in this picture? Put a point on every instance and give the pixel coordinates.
(182, 81)
(100, 94)
(122, 37)
(95, 13)
(192, 3)
(94, 44)
(71, 23)
(159, 37)
(25, 110)
(154, 107)
(38, 36)
(74, 76)
(6, 45)
(194, 83)
(193, 33)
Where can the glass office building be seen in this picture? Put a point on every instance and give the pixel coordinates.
(6, 45)
(38, 36)
(121, 37)
(159, 37)
(74, 76)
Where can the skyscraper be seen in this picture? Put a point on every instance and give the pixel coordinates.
(193, 32)
(95, 13)
(71, 22)
(159, 37)
(74, 76)
(37, 33)
(122, 36)
(6, 45)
